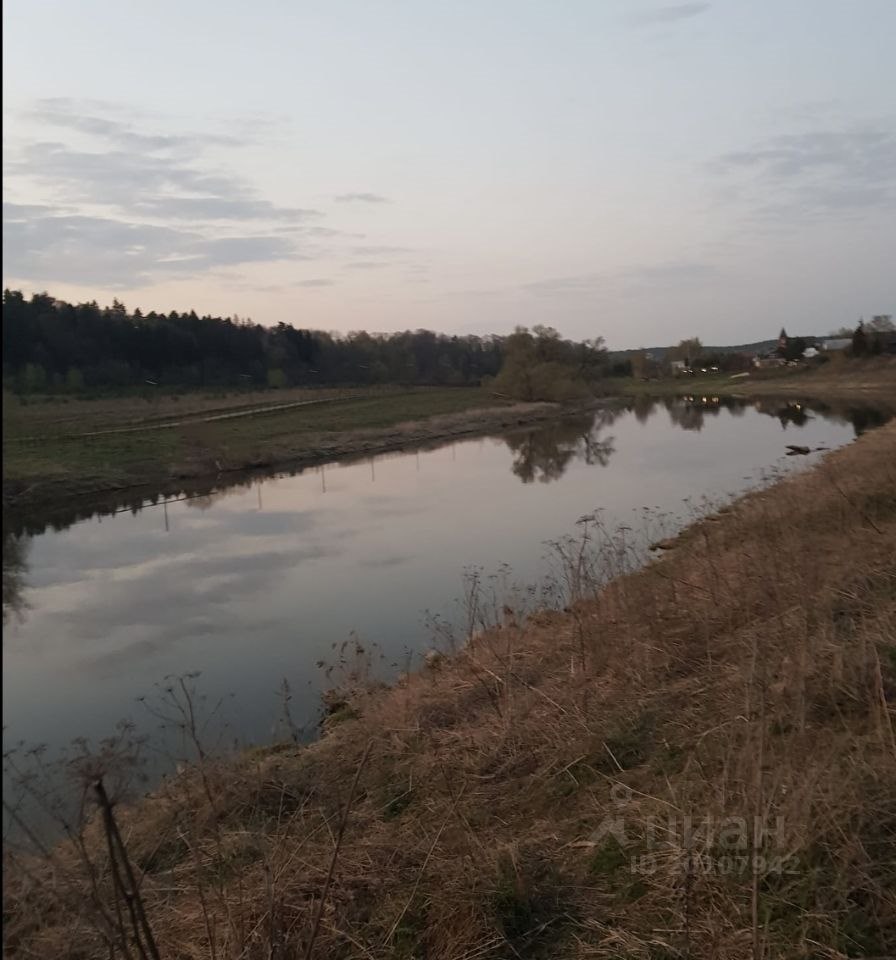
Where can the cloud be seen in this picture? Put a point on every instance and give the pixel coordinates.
(220, 208)
(665, 274)
(377, 250)
(671, 14)
(43, 243)
(316, 282)
(126, 205)
(142, 183)
(588, 283)
(327, 232)
(66, 113)
(815, 174)
(361, 198)
(677, 272)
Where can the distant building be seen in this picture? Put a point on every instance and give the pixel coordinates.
(836, 343)
(769, 361)
(678, 366)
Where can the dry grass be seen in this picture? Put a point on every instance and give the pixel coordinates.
(842, 378)
(746, 677)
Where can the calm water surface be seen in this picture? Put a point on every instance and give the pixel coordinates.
(257, 582)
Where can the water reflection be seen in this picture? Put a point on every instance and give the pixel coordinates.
(689, 412)
(544, 454)
(540, 454)
(15, 566)
(254, 577)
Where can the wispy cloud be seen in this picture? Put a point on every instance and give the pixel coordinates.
(98, 118)
(669, 14)
(146, 183)
(366, 265)
(377, 250)
(669, 273)
(577, 285)
(665, 274)
(221, 208)
(44, 243)
(126, 205)
(329, 232)
(823, 173)
(360, 198)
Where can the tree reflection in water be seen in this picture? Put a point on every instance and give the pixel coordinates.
(15, 566)
(690, 412)
(545, 453)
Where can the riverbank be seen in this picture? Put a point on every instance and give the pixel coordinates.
(48, 459)
(872, 380)
(528, 795)
(62, 449)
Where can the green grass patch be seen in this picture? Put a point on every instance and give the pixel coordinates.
(152, 454)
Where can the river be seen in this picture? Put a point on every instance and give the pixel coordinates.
(264, 579)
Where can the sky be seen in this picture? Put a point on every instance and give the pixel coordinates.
(642, 171)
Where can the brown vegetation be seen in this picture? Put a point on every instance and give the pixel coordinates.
(841, 377)
(746, 676)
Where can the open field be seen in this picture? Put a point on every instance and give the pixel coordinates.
(529, 794)
(58, 450)
(60, 414)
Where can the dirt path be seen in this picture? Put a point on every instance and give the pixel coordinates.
(197, 418)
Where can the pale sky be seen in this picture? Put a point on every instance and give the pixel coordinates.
(642, 171)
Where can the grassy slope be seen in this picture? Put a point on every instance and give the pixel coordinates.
(749, 671)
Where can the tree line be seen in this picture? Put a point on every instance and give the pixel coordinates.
(50, 344)
(876, 337)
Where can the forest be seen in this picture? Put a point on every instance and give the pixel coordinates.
(51, 345)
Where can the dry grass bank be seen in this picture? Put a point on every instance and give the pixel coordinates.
(530, 796)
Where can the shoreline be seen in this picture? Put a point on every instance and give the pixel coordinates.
(29, 502)
(45, 469)
(756, 654)
(323, 448)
